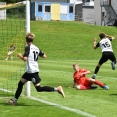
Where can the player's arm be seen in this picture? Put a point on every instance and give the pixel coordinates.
(26, 53)
(95, 44)
(22, 57)
(42, 54)
(74, 83)
(110, 37)
(86, 72)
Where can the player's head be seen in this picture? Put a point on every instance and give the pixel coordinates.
(76, 67)
(29, 37)
(102, 35)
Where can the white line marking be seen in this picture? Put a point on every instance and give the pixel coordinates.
(63, 107)
(57, 105)
(5, 90)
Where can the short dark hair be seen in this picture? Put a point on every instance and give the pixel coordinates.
(102, 35)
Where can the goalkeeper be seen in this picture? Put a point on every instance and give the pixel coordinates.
(11, 51)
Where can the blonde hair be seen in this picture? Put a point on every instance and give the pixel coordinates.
(30, 35)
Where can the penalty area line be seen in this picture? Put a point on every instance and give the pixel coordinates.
(63, 107)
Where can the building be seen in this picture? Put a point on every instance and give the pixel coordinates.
(88, 12)
(78, 7)
(63, 11)
(105, 12)
(100, 12)
(97, 12)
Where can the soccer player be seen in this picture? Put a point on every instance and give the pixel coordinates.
(107, 51)
(31, 55)
(11, 51)
(83, 83)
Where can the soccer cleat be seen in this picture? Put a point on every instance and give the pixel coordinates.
(113, 65)
(105, 87)
(93, 87)
(6, 59)
(94, 76)
(11, 102)
(60, 91)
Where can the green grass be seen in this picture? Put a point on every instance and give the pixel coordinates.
(64, 43)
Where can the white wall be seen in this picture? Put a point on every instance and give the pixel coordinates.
(114, 5)
(76, 1)
(97, 12)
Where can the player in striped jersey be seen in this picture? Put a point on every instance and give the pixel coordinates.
(30, 56)
(107, 51)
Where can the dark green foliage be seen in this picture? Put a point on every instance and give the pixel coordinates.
(11, 1)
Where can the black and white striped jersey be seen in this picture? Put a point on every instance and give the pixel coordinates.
(105, 45)
(32, 52)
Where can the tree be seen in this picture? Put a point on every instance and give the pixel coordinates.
(11, 1)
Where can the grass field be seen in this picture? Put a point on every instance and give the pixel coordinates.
(64, 43)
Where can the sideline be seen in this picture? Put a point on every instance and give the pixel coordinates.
(57, 105)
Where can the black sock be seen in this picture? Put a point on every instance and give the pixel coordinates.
(96, 70)
(44, 88)
(19, 90)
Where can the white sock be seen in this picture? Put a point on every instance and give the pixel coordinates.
(55, 89)
(15, 100)
(94, 74)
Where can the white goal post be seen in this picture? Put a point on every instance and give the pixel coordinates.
(28, 30)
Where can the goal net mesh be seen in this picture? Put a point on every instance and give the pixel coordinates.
(12, 30)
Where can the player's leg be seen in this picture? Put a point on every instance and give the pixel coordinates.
(97, 68)
(18, 92)
(19, 89)
(8, 55)
(97, 82)
(50, 89)
(82, 87)
(36, 81)
(113, 59)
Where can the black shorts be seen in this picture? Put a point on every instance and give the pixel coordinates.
(34, 77)
(107, 56)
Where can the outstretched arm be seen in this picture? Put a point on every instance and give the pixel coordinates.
(108, 36)
(94, 45)
(86, 72)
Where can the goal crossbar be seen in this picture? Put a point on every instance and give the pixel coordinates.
(9, 6)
